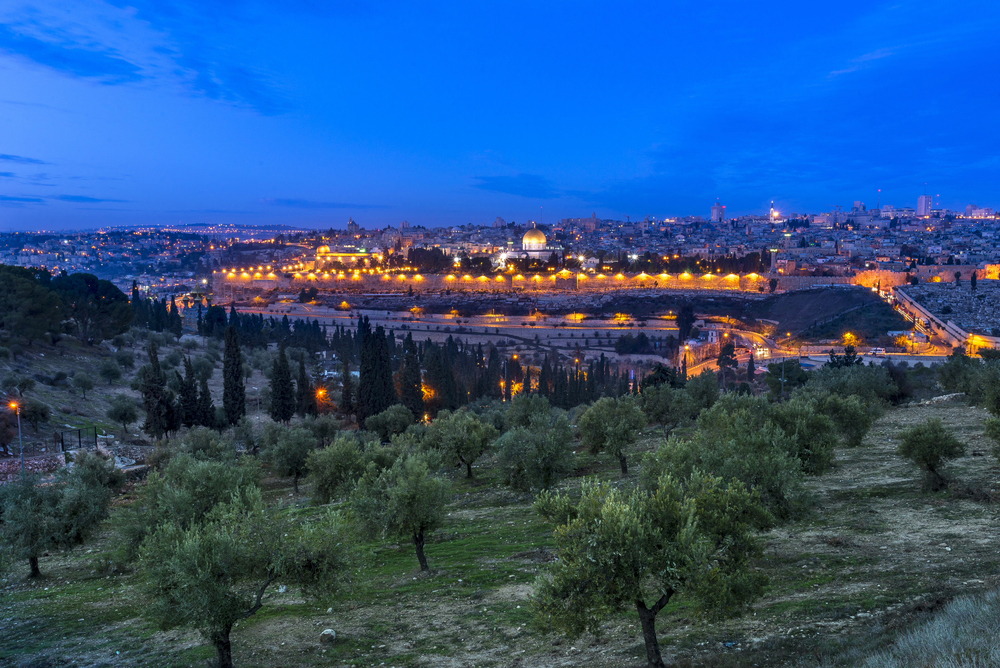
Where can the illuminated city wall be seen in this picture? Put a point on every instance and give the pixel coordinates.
(261, 279)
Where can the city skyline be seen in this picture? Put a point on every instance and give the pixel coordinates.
(291, 114)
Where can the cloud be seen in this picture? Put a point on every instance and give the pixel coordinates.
(9, 175)
(21, 160)
(522, 185)
(311, 204)
(83, 199)
(32, 200)
(69, 59)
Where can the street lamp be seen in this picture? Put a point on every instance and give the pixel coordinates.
(20, 438)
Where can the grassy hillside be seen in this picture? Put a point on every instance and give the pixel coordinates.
(875, 556)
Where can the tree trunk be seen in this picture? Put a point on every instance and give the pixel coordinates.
(418, 541)
(222, 645)
(33, 563)
(295, 483)
(647, 618)
(623, 464)
(468, 469)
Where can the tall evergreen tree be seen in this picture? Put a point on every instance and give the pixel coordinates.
(282, 392)
(234, 400)
(174, 318)
(305, 399)
(155, 398)
(206, 407)
(189, 396)
(410, 384)
(347, 404)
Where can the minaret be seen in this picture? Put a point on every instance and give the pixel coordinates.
(771, 214)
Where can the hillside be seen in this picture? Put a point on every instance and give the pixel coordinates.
(875, 555)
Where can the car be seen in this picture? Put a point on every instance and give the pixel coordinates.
(877, 352)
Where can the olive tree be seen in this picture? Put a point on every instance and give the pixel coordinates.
(619, 549)
(393, 420)
(42, 516)
(538, 456)
(181, 495)
(335, 469)
(667, 406)
(612, 425)
(215, 573)
(928, 446)
(83, 382)
(405, 500)
(290, 455)
(461, 436)
(123, 410)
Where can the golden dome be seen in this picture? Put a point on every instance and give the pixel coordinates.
(533, 239)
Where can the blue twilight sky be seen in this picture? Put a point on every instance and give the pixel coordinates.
(306, 112)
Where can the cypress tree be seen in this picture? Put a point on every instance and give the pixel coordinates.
(234, 400)
(175, 318)
(206, 407)
(282, 392)
(305, 395)
(751, 368)
(154, 396)
(189, 396)
(347, 390)
(410, 386)
(385, 390)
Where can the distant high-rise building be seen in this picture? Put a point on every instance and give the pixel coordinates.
(924, 203)
(718, 213)
(404, 225)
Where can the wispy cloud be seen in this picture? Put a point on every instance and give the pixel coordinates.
(69, 59)
(312, 204)
(9, 175)
(83, 199)
(21, 160)
(21, 200)
(523, 185)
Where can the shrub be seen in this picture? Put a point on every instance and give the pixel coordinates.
(667, 406)
(83, 382)
(524, 408)
(812, 432)
(928, 446)
(289, 456)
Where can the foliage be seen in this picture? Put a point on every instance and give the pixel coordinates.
(612, 425)
(848, 359)
(41, 516)
(461, 437)
(871, 384)
(97, 309)
(537, 456)
(181, 496)
(212, 574)
(991, 428)
(928, 446)
(393, 420)
(785, 376)
(667, 406)
(335, 469)
(617, 549)
(35, 413)
(812, 432)
(157, 399)
(289, 456)
(703, 390)
(282, 391)
(123, 411)
(29, 309)
(83, 382)
(234, 400)
(736, 439)
(125, 358)
(375, 387)
(109, 371)
(524, 408)
(404, 501)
